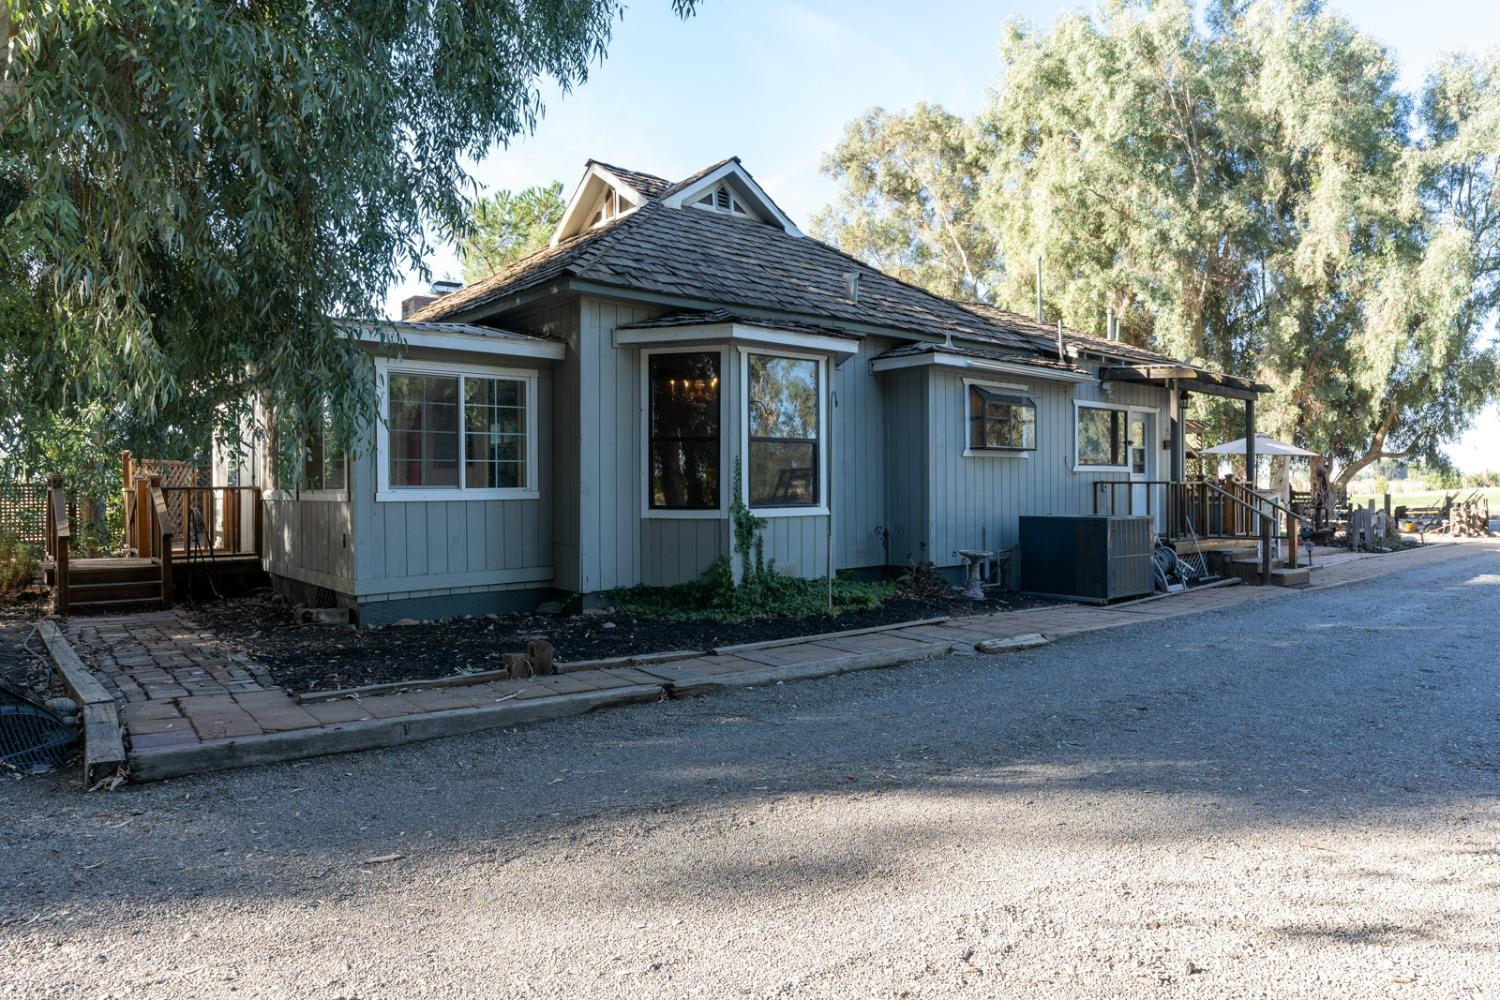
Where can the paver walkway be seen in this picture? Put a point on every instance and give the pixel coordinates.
(181, 689)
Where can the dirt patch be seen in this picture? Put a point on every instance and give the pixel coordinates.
(21, 665)
(323, 657)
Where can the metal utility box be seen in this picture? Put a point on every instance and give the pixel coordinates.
(1088, 558)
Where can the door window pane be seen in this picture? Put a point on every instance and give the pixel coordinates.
(423, 430)
(683, 426)
(783, 416)
(1138, 444)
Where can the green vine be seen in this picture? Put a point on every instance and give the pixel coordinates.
(748, 543)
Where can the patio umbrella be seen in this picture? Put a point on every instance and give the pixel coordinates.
(1264, 446)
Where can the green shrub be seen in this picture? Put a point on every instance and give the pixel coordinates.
(18, 563)
(768, 595)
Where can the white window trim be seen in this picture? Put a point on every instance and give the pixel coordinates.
(386, 493)
(821, 510)
(1079, 404)
(969, 450)
(725, 461)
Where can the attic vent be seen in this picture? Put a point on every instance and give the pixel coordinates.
(722, 199)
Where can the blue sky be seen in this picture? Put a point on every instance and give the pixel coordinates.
(774, 81)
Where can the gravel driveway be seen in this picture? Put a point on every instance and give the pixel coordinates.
(1294, 797)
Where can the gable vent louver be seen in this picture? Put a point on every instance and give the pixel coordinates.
(722, 200)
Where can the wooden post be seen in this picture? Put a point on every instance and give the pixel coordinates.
(1291, 540)
(1250, 442)
(232, 518)
(143, 516)
(540, 655)
(518, 665)
(1265, 549)
(257, 513)
(58, 531)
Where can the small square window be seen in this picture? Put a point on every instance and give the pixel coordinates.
(1001, 421)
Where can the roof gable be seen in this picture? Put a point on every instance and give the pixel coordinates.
(729, 173)
(630, 188)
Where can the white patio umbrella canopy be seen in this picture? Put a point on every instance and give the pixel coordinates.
(1264, 446)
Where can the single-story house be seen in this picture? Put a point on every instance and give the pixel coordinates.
(576, 422)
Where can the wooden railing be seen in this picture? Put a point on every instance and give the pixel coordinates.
(1204, 509)
(59, 538)
(210, 520)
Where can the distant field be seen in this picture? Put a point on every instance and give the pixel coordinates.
(1422, 499)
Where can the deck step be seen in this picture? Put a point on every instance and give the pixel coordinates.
(129, 602)
(1287, 577)
(131, 590)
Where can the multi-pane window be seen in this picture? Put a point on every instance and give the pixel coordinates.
(1101, 436)
(494, 433)
(1000, 421)
(783, 438)
(457, 432)
(683, 430)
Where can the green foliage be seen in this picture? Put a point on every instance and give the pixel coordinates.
(746, 528)
(770, 595)
(909, 187)
(192, 194)
(1250, 191)
(18, 563)
(506, 227)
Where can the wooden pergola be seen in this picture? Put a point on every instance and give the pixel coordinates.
(1181, 380)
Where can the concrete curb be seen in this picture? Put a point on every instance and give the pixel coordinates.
(103, 742)
(684, 686)
(370, 734)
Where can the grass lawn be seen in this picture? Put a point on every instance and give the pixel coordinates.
(1430, 499)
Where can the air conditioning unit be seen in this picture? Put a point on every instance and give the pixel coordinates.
(1088, 558)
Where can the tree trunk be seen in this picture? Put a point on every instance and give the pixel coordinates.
(1374, 453)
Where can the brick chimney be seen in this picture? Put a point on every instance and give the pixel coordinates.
(412, 303)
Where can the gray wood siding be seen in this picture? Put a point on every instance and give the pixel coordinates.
(680, 549)
(610, 461)
(977, 501)
(858, 460)
(907, 455)
(797, 545)
(415, 545)
(312, 541)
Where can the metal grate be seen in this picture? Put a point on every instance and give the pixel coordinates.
(30, 736)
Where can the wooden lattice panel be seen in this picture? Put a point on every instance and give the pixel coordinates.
(23, 512)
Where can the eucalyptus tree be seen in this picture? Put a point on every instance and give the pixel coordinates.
(1252, 191)
(908, 187)
(191, 194)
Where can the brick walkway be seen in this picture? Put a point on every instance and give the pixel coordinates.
(179, 687)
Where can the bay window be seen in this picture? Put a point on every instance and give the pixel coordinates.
(453, 433)
(683, 418)
(783, 401)
(1000, 420)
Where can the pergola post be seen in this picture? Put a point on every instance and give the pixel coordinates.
(1250, 442)
(1176, 410)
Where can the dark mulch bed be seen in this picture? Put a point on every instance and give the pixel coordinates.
(325, 657)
